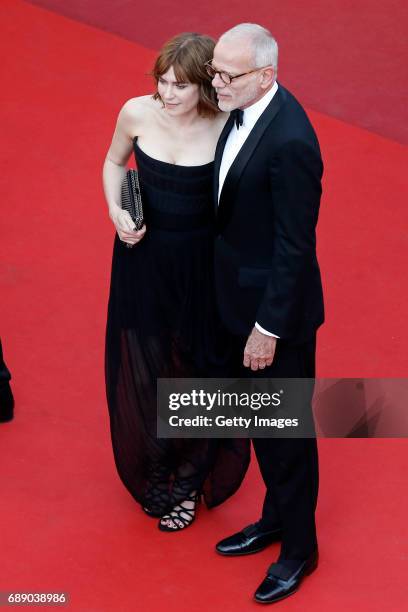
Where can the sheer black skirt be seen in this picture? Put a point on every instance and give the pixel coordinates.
(162, 322)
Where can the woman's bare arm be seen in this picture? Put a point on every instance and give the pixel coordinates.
(114, 170)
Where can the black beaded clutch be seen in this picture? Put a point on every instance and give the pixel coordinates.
(131, 199)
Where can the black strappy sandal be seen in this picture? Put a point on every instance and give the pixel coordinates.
(180, 516)
(157, 499)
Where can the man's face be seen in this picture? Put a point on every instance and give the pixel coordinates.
(235, 58)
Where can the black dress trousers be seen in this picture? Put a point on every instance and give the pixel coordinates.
(289, 466)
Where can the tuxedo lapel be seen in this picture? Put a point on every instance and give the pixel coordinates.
(218, 157)
(238, 166)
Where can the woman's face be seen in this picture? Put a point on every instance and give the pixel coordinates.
(178, 97)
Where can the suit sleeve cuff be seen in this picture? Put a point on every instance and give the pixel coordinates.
(264, 331)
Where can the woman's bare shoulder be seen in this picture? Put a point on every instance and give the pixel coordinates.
(137, 107)
(136, 114)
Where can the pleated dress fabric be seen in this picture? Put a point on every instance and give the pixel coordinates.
(162, 322)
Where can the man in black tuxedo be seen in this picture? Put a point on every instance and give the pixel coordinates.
(268, 171)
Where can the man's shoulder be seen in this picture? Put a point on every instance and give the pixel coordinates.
(293, 122)
(287, 97)
(290, 105)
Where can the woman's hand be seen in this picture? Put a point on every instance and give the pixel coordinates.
(125, 226)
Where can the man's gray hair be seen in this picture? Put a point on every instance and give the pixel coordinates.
(263, 43)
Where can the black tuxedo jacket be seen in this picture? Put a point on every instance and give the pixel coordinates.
(265, 249)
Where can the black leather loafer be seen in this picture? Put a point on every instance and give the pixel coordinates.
(248, 541)
(280, 582)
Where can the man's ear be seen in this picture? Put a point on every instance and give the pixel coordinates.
(268, 77)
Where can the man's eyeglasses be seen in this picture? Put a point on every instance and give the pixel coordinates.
(225, 76)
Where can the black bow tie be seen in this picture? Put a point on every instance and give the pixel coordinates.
(238, 116)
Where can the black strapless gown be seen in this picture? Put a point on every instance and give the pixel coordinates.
(162, 322)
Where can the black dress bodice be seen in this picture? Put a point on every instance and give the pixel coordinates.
(175, 197)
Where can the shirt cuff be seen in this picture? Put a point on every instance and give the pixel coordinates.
(264, 331)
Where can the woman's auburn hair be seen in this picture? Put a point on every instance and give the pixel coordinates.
(187, 53)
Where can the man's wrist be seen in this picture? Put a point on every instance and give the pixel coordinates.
(265, 331)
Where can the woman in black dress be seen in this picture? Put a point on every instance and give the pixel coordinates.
(161, 316)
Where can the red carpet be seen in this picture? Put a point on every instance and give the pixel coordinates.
(343, 58)
(67, 523)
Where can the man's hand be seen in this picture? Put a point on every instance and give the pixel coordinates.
(259, 350)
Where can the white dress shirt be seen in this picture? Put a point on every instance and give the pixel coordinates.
(235, 140)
